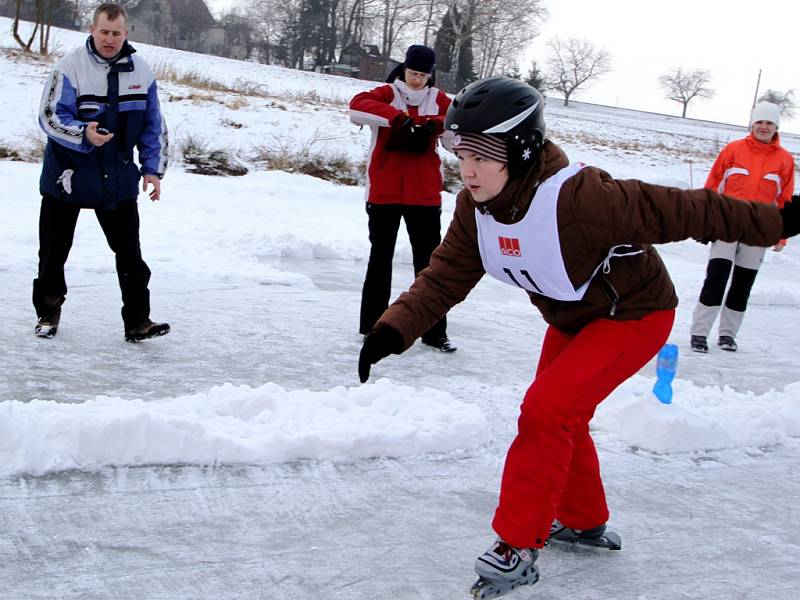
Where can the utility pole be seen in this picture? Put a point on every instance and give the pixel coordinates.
(755, 96)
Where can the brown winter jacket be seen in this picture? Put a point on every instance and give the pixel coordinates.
(595, 212)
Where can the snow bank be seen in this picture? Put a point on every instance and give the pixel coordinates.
(231, 424)
(699, 418)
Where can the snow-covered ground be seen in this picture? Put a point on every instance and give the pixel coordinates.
(239, 458)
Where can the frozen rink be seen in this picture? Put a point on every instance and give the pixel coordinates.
(716, 523)
(386, 529)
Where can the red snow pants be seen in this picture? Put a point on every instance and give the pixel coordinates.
(551, 470)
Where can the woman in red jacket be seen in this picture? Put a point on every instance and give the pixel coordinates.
(757, 169)
(404, 178)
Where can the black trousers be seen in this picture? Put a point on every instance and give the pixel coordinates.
(423, 224)
(57, 222)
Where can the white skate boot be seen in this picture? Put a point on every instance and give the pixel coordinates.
(503, 568)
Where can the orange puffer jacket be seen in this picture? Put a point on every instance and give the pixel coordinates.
(751, 170)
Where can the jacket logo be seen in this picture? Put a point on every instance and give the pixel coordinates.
(135, 86)
(509, 246)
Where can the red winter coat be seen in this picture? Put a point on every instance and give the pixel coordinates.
(398, 177)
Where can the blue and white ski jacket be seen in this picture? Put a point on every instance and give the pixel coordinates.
(122, 97)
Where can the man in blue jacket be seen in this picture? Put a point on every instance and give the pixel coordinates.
(98, 103)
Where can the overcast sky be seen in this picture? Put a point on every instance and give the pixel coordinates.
(732, 39)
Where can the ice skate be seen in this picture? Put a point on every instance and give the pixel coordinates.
(47, 327)
(504, 568)
(146, 330)
(596, 537)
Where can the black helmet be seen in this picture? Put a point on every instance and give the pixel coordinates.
(503, 106)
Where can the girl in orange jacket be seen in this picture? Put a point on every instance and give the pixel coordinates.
(755, 169)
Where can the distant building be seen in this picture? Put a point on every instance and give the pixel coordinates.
(363, 62)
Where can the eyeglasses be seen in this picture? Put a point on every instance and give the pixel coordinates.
(417, 74)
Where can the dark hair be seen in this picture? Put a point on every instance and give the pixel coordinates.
(111, 10)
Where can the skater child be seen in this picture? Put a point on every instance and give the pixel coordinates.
(579, 243)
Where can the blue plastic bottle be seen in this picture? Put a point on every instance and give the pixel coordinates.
(666, 366)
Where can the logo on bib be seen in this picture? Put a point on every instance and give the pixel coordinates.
(509, 246)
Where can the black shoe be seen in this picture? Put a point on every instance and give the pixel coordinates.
(47, 327)
(443, 344)
(146, 330)
(726, 342)
(699, 344)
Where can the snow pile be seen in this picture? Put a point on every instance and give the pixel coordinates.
(700, 418)
(237, 424)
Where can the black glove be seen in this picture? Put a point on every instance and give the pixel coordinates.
(703, 241)
(408, 135)
(790, 213)
(378, 344)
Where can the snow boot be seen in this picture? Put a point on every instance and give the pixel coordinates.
(503, 568)
(597, 537)
(726, 342)
(443, 344)
(699, 344)
(146, 330)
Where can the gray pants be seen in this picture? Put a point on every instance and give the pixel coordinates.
(745, 261)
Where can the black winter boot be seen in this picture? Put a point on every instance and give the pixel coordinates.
(699, 344)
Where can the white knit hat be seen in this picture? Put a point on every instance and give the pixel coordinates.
(766, 111)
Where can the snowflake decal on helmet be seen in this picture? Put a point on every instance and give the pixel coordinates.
(526, 154)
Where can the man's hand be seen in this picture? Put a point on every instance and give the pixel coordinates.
(156, 182)
(378, 345)
(779, 246)
(95, 138)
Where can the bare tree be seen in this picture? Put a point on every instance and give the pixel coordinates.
(432, 12)
(574, 63)
(399, 17)
(783, 99)
(684, 86)
(43, 14)
(501, 29)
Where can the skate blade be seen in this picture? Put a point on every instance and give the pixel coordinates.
(608, 541)
(485, 589)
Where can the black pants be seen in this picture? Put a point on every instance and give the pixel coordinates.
(57, 222)
(423, 224)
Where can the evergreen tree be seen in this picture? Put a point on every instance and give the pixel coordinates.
(536, 77)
